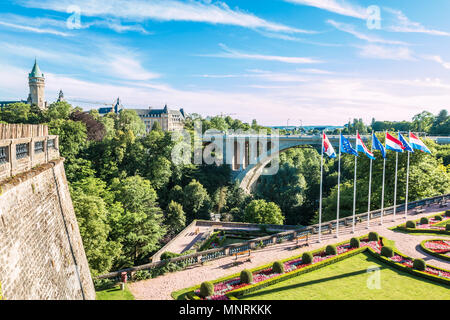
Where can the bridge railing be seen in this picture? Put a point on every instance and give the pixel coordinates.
(218, 253)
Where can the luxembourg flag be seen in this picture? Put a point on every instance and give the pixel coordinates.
(393, 143)
(327, 147)
(416, 143)
(361, 147)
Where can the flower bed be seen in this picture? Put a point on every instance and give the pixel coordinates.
(433, 226)
(231, 287)
(439, 248)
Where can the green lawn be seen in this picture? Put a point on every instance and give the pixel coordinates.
(115, 294)
(347, 280)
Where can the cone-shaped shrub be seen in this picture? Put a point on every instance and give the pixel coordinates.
(447, 213)
(424, 220)
(206, 289)
(373, 236)
(331, 250)
(410, 224)
(278, 267)
(354, 243)
(307, 258)
(246, 276)
(439, 218)
(419, 264)
(447, 227)
(387, 252)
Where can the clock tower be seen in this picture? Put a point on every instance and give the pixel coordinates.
(36, 82)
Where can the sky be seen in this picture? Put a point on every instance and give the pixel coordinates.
(281, 62)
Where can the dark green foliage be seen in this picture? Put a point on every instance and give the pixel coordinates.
(307, 258)
(419, 264)
(331, 250)
(373, 236)
(246, 276)
(447, 213)
(438, 218)
(447, 227)
(354, 242)
(410, 224)
(424, 220)
(206, 289)
(387, 252)
(278, 267)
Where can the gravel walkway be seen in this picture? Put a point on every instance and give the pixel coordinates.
(160, 288)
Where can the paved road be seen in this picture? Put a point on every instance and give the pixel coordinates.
(161, 287)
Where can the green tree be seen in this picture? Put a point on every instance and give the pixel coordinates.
(196, 201)
(175, 217)
(260, 211)
(72, 136)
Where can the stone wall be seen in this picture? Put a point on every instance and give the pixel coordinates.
(41, 251)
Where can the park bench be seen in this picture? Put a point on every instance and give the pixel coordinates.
(242, 255)
(299, 238)
(442, 204)
(418, 210)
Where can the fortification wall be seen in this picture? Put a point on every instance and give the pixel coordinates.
(41, 251)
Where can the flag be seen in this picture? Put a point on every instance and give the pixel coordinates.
(393, 143)
(361, 147)
(405, 143)
(416, 143)
(376, 145)
(327, 147)
(346, 147)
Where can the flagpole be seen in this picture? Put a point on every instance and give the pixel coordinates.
(407, 185)
(320, 201)
(354, 188)
(339, 185)
(370, 186)
(384, 175)
(395, 186)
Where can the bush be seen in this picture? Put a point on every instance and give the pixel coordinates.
(447, 227)
(447, 213)
(410, 224)
(439, 218)
(331, 250)
(206, 289)
(142, 275)
(424, 220)
(373, 236)
(278, 267)
(307, 258)
(354, 243)
(387, 252)
(246, 276)
(419, 264)
(169, 255)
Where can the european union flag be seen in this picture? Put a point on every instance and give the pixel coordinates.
(405, 143)
(378, 146)
(346, 147)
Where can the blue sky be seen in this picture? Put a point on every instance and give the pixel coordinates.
(302, 61)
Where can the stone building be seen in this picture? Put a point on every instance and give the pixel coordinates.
(36, 82)
(169, 120)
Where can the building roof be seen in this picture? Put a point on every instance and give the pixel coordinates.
(36, 72)
(158, 112)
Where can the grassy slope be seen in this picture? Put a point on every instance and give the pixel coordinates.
(115, 294)
(347, 280)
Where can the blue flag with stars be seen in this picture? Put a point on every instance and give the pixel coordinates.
(378, 146)
(405, 143)
(346, 147)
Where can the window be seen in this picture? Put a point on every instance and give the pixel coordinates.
(51, 144)
(39, 147)
(3, 155)
(22, 150)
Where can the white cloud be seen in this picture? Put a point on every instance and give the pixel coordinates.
(165, 10)
(406, 25)
(439, 60)
(33, 29)
(369, 38)
(388, 53)
(337, 6)
(233, 54)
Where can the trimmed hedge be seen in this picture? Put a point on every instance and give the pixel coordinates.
(387, 252)
(447, 227)
(430, 252)
(355, 243)
(307, 257)
(419, 264)
(373, 236)
(447, 213)
(278, 267)
(206, 289)
(246, 276)
(424, 220)
(410, 224)
(438, 217)
(331, 250)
